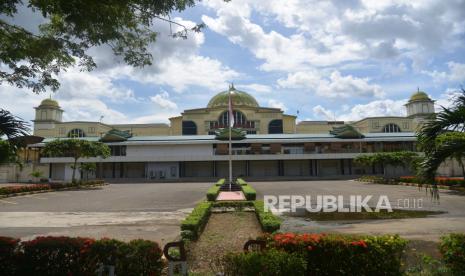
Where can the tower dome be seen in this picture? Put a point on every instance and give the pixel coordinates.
(239, 98)
(49, 103)
(420, 105)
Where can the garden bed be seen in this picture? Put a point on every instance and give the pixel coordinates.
(225, 232)
(355, 216)
(26, 189)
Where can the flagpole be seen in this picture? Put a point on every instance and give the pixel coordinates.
(230, 143)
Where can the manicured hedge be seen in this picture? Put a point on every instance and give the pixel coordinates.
(78, 256)
(193, 224)
(233, 204)
(23, 188)
(220, 182)
(249, 192)
(241, 182)
(269, 222)
(453, 251)
(270, 262)
(213, 192)
(343, 254)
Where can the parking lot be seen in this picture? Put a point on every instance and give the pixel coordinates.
(153, 211)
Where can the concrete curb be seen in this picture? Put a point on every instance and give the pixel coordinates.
(442, 187)
(53, 190)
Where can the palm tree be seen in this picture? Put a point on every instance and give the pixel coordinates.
(443, 137)
(12, 126)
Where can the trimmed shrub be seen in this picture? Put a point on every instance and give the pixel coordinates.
(344, 254)
(268, 263)
(52, 255)
(195, 221)
(453, 251)
(78, 256)
(213, 192)
(220, 182)
(23, 188)
(8, 256)
(232, 204)
(249, 192)
(241, 182)
(269, 222)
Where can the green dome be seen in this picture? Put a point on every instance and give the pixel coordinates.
(419, 96)
(239, 98)
(49, 103)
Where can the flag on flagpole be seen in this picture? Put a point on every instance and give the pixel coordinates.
(231, 113)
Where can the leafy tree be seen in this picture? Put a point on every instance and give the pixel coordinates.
(76, 149)
(12, 126)
(395, 159)
(7, 152)
(71, 28)
(87, 168)
(443, 137)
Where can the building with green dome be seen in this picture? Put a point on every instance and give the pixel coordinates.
(274, 145)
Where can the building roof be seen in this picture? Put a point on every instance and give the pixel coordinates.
(419, 96)
(49, 103)
(239, 98)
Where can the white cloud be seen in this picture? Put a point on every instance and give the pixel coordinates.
(360, 111)
(255, 87)
(323, 33)
(334, 86)
(276, 104)
(163, 101)
(456, 73)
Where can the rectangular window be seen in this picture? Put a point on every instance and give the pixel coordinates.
(118, 150)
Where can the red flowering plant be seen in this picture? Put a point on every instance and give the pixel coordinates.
(331, 254)
(53, 255)
(8, 255)
(23, 188)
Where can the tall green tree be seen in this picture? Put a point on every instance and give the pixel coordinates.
(76, 148)
(395, 159)
(71, 28)
(443, 137)
(12, 126)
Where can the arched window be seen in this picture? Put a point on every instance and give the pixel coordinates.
(391, 128)
(76, 133)
(275, 127)
(239, 119)
(189, 128)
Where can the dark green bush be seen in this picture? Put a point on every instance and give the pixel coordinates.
(213, 192)
(196, 220)
(78, 256)
(269, 263)
(269, 222)
(241, 182)
(52, 256)
(8, 256)
(453, 251)
(344, 254)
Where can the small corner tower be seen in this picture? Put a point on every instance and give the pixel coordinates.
(419, 105)
(48, 113)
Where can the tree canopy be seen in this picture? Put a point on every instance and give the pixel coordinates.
(443, 137)
(76, 148)
(70, 28)
(12, 126)
(395, 159)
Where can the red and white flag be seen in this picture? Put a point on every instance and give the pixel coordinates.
(231, 113)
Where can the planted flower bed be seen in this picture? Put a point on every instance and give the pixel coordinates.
(28, 188)
(320, 254)
(78, 256)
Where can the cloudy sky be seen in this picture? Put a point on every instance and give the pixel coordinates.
(328, 60)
